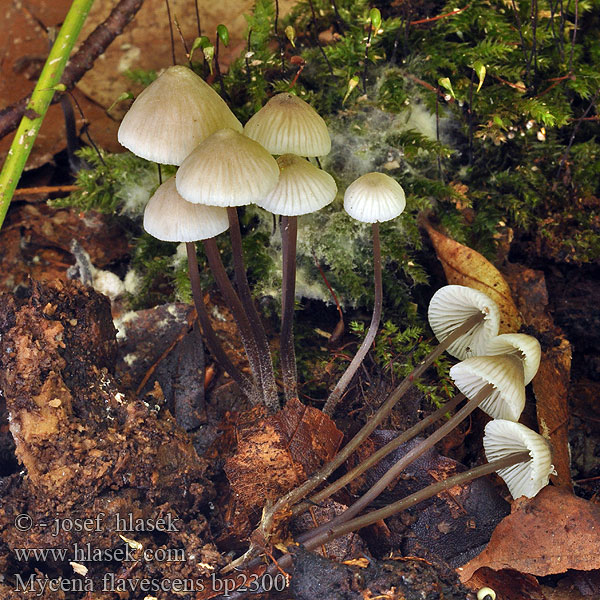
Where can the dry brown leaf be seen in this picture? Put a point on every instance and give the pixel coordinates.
(276, 454)
(508, 584)
(464, 266)
(545, 535)
(551, 384)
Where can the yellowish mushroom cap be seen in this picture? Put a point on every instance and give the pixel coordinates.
(170, 218)
(287, 124)
(374, 198)
(172, 116)
(227, 169)
(302, 188)
(503, 438)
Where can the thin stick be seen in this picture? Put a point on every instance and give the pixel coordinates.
(289, 233)
(392, 473)
(198, 18)
(41, 98)
(374, 458)
(171, 32)
(212, 341)
(345, 379)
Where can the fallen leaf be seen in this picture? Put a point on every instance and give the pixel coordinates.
(545, 535)
(274, 455)
(552, 382)
(464, 266)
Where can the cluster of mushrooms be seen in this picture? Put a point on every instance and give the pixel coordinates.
(180, 120)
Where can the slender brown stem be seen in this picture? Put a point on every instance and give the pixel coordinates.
(345, 379)
(209, 333)
(331, 533)
(289, 233)
(392, 473)
(374, 458)
(260, 337)
(171, 32)
(237, 310)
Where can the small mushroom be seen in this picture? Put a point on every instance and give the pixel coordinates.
(521, 345)
(172, 116)
(503, 438)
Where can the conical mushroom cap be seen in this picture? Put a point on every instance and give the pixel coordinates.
(521, 345)
(288, 125)
(172, 116)
(302, 188)
(505, 373)
(451, 306)
(227, 169)
(503, 438)
(170, 218)
(374, 198)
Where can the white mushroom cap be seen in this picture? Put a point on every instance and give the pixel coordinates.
(521, 345)
(451, 306)
(503, 438)
(172, 116)
(374, 198)
(288, 125)
(302, 188)
(505, 373)
(227, 169)
(170, 218)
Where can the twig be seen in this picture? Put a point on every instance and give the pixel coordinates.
(45, 190)
(81, 62)
(40, 101)
(448, 14)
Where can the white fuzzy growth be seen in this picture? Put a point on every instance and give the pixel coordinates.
(121, 322)
(227, 169)
(133, 282)
(302, 188)
(109, 284)
(505, 373)
(374, 198)
(521, 345)
(170, 218)
(451, 306)
(287, 124)
(503, 438)
(172, 116)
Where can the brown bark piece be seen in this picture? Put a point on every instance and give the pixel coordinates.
(464, 266)
(275, 455)
(551, 384)
(545, 535)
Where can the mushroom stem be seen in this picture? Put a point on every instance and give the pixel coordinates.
(374, 458)
(264, 355)
(331, 532)
(209, 333)
(345, 379)
(289, 234)
(237, 310)
(393, 472)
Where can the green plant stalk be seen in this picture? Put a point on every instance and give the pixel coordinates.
(40, 101)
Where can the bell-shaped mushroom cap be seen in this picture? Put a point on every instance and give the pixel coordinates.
(374, 198)
(227, 169)
(503, 438)
(172, 116)
(451, 306)
(505, 373)
(302, 188)
(521, 345)
(288, 125)
(170, 218)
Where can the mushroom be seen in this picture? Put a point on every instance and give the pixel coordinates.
(521, 345)
(453, 305)
(503, 438)
(372, 198)
(302, 188)
(168, 217)
(172, 116)
(229, 169)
